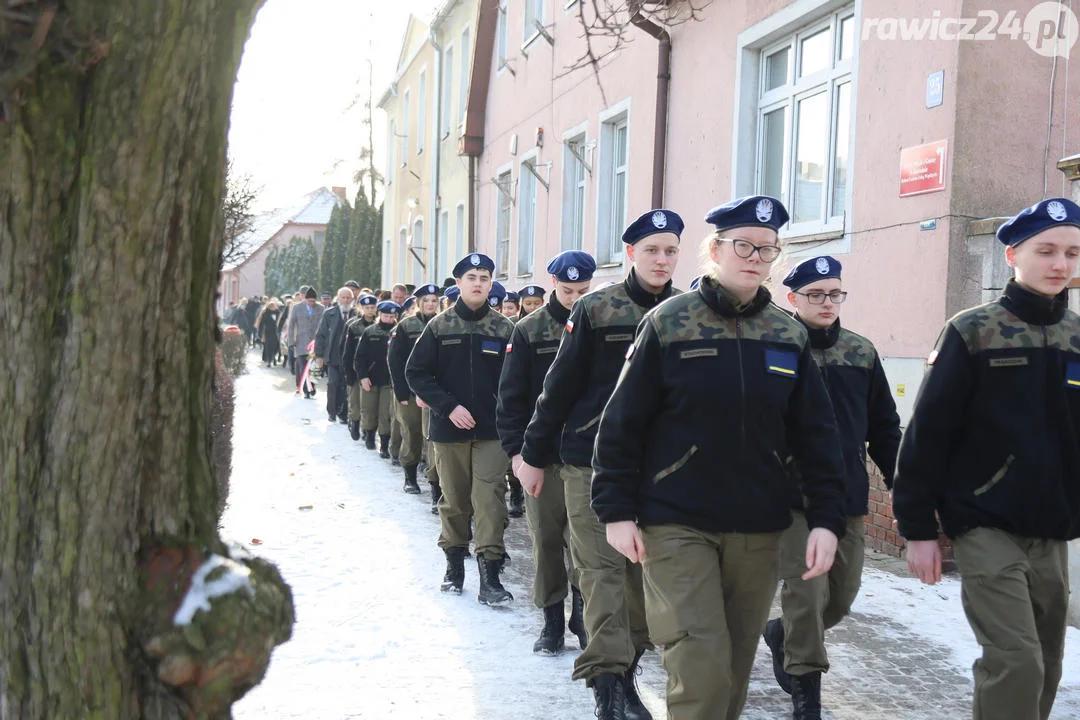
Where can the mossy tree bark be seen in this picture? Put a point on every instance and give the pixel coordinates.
(110, 189)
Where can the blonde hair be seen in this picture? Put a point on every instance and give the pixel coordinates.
(710, 269)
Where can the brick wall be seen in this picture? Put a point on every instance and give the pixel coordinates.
(881, 534)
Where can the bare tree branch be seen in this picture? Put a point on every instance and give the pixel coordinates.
(236, 215)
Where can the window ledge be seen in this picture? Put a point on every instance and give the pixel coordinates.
(817, 233)
(601, 266)
(526, 275)
(528, 42)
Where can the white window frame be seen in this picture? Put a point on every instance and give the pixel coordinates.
(411, 258)
(403, 252)
(391, 143)
(527, 200)
(444, 243)
(405, 96)
(502, 31)
(786, 28)
(460, 241)
(608, 227)
(421, 111)
(463, 83)
(575, 188)
(534, 13)
(446, 115)
(503, 203)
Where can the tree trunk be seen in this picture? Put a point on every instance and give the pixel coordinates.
(113, 158)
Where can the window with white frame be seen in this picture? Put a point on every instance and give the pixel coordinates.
(443, 243)
(504, 198)
(403, 252)
(500, 35)
(804, 122)
(391, 144)
(534, 15)
(526, 216)
(463, 80)
(405, 127)
(459, 233)
(573, 208)
(421, 112)
(446, 112)
(611, 215)
(418, 248)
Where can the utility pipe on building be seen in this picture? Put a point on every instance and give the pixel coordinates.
(663, 83)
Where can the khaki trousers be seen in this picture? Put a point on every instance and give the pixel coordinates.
(707, 596)
(395, 430)
(473, 485)
(411, 422)
(377, 404)
(356, 403)
(610, 584)
(550, 533)
(429, 449)
(1015, 593)
(810, 607)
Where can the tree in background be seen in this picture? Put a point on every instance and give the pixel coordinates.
(113, 119)
(363, 259)
(289, 267)
(236, 215)
(332, 270)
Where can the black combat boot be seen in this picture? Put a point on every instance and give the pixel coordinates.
(492, 593)
(354, 429)
(806, 696)
(774, 638)
(454, 579)
(394, 461)
(635, 709)
(610, 697)
(551, 640)
(517, 499)
(369, 439)
(436, 495)
(384, 447)
(410, 480)
(577, 617)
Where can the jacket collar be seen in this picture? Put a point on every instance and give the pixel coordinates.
(822, 338)
(557, 310)
(1031, 307)
(640, 295)
(723, 302)
(465, 313)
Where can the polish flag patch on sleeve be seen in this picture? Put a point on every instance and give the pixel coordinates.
(932, 357)
(569, 326)
(509, 347)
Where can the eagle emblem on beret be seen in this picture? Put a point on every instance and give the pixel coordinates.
(1056, 210)
(822, 266)
(572, 273)
(764, 210)
(474, 259)
(659, 220)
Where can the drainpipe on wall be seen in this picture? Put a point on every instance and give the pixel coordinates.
(472, 203)
(436, 202)
(663, 82)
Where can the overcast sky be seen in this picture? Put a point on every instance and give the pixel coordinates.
(305, 64)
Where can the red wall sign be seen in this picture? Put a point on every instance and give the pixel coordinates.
(922, 168)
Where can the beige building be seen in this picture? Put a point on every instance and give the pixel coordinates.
(426, 211)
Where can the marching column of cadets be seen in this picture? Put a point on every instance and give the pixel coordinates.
(681, 454)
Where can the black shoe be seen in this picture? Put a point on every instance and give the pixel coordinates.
(354, 430)
(492, 593)
(384, 446)
(395, 461)
(806, 696)
(635, 709)
(436, 495)
(343, 420)
(774, 638)
(454, 579)
(517, 500)
(410, 481)
(551, 639)
(333, 417)
(369, 439)
(577, 617)
(610, 697)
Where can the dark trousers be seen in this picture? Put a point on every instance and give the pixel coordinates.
(337, 394)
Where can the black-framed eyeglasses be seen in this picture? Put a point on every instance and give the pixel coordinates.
(745, 248)
(818, 298)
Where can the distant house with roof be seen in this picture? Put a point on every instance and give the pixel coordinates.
(275, 228)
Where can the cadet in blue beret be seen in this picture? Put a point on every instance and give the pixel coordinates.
(408, 304)
(993, 452)
(454, 369)
(413, 419)
(867, 421)
(598, 332)
(675, 491)
(450, 296)
(511, 305)
(370, 368)
(529, 355)
(532, 298)
(496, 295)
(354, 328)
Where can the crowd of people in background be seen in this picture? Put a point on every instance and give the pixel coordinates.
(678, 455)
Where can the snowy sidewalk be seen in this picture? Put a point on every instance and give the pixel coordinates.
(375, 638)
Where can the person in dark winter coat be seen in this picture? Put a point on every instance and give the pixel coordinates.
(993, 452)
(329, 346)
(373, 373)
(268, 332)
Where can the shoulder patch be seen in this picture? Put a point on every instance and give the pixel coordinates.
(932, 357)
(569, 326)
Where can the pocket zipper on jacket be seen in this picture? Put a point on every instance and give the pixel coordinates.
(998, 476)
(675, 466)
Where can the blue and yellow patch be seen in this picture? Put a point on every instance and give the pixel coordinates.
(1072, 374)
(782, 362)
(490, 347)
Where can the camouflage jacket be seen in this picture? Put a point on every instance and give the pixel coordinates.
(600, 329)
(994, 439)
(402, 340)
(353, 329)
(864, 407)
(529, 354)
(370, 359)
(457, 361)
(711, 402)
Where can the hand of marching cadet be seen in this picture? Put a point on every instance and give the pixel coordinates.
(420, 403)
(365, 384)
(531, 478)
(462, 418)
(403, 402)
(820, 552)
(625, 537)
(924, 560)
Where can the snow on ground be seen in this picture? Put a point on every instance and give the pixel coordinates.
(375, 638)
